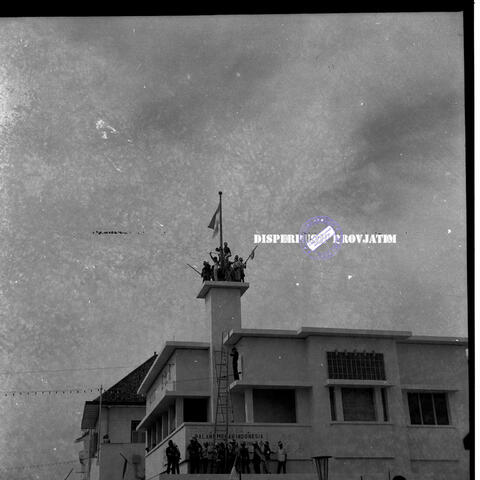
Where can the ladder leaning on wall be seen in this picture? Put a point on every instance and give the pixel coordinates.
(224, 407)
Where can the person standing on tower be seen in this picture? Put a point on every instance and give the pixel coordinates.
(207, 273)
(215, 268)
(226, 251)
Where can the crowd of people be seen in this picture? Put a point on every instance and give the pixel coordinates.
(224, 268)
(221, 457)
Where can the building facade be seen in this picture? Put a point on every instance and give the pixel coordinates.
(112, 447)
(379, 403)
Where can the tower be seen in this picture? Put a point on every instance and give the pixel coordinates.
(223, 310)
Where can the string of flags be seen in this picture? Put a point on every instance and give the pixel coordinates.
(24, 467)
(26, 393)
(81, 391)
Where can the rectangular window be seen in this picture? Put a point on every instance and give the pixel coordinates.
(428, 408)
(356, 365)
(333, 407)
(195, 409)
(358, 404)
(274, 406)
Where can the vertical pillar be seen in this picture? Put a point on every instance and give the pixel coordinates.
(165, 424)
(171, 418)
(339, 403)
(249, 405)
(378, 405)
(178, 411)
(160, 428)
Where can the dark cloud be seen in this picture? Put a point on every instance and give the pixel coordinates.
(402, 142)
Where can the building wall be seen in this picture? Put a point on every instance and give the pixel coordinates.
(165, 381)
(193, 371)
(437, 448)
(108, 464)
(186, 372)
(369, 448)
(275, 359)
(119, 422)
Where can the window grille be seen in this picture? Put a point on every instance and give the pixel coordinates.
(356, 365)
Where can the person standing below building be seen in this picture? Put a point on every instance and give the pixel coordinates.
(205, 458)
(211, 458)
(267, 452)
(265, 449)
(194, 454)
(244, 458)
(234, 356)
(171, 457)
(281, 458)
(257, 457)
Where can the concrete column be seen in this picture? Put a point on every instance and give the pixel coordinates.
(164, 424)
(159, 430)
(178, 411)
(171, 418)
(249, 406)
(339, 403)
(398, 415)
(378, 404)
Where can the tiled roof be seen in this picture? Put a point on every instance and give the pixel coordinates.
(125, 391)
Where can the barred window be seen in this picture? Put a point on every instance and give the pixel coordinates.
(356, 365)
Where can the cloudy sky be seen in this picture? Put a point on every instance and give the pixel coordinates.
(135, 124)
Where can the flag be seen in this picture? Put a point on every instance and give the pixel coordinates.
(252, 254)
(215, 221)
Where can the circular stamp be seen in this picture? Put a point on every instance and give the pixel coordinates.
(320, 237)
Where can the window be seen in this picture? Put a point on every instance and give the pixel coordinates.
(428, 408)
(274, 406)
(356, 365)
(195, 409)
(358, 404)
(136, 437)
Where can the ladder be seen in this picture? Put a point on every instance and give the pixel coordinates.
(224, 407)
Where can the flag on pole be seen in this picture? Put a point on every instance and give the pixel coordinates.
(215, 221)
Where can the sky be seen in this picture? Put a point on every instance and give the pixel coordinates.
(135, 124)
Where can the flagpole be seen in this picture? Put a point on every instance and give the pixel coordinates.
(221, 227)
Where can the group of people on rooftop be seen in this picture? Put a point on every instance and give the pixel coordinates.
(221, 457)
(223, 268)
